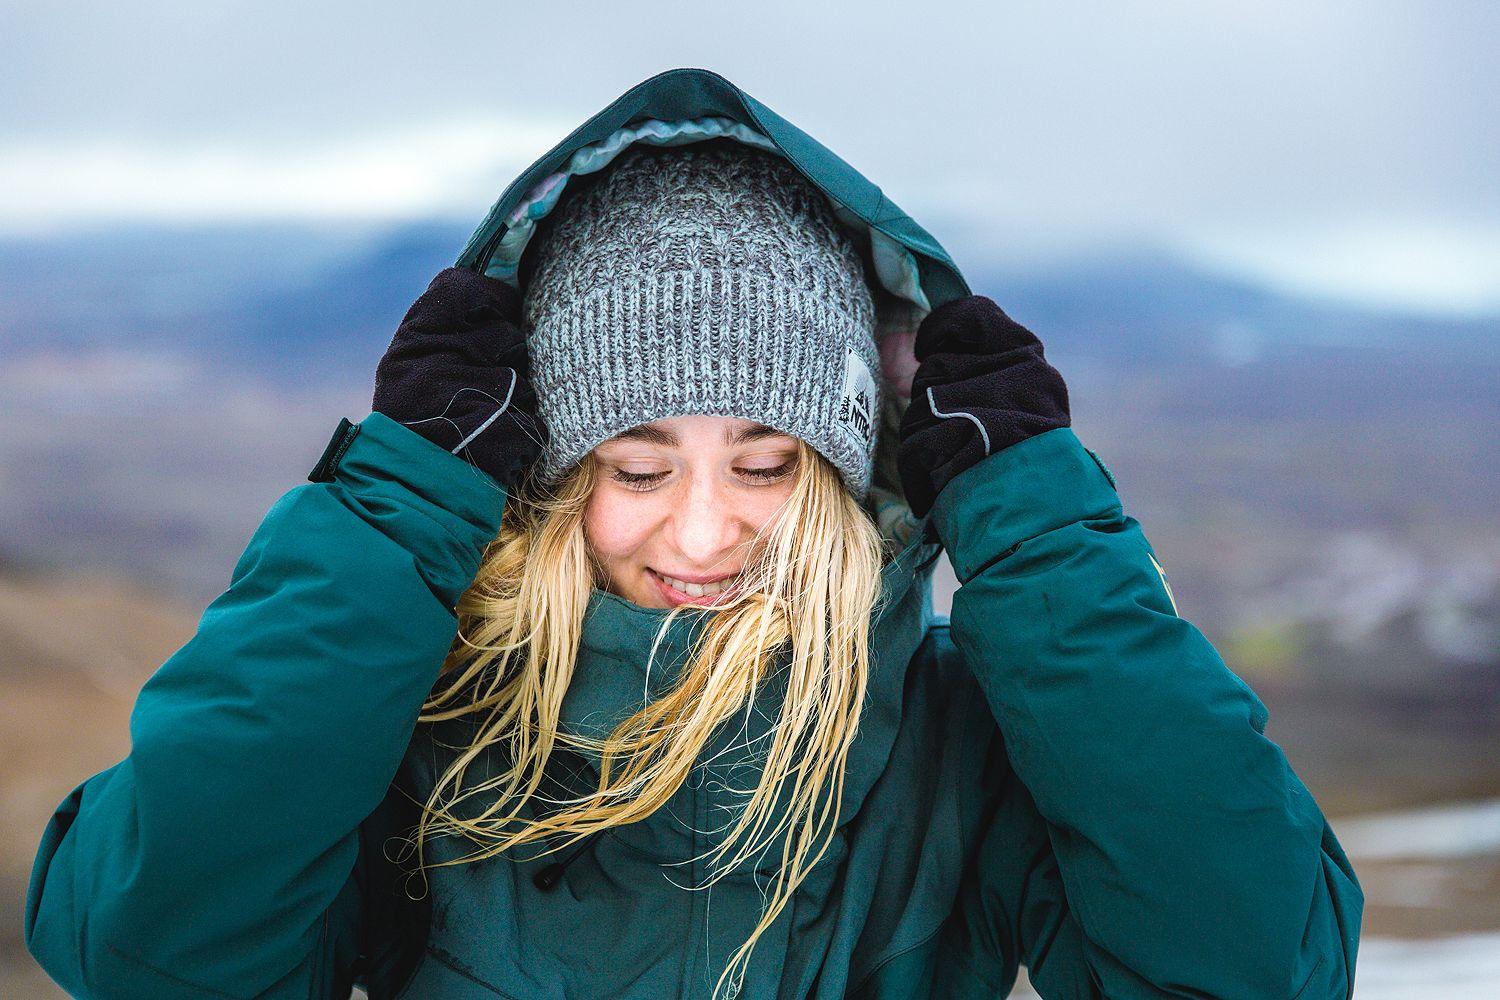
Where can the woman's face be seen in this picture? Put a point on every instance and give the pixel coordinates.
(683, 498)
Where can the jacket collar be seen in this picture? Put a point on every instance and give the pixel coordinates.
(610, 682)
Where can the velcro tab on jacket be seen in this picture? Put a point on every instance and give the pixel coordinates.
(343, 436)
(1102, 467)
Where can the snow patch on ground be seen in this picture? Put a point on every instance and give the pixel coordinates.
(1464, 967)
(1449, 831)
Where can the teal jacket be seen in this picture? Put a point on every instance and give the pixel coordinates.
(1064, 775)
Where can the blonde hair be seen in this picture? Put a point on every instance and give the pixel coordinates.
(812, 583)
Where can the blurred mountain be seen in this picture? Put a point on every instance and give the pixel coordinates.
(1302, 467)
(1146, 306)
(277, 299)
(265, 300)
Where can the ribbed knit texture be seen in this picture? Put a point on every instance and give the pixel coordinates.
(706, 279)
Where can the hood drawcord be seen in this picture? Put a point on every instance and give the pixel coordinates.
(547, 877)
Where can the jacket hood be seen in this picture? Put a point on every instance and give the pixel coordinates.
(910, 275)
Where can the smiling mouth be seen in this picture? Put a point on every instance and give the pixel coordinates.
(696, 590)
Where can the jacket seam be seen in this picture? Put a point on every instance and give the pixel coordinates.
(137, 960)
(984, 719)
(995, 560)
(1310, 975)
(865, 979)
(966, 959)
(414, 508)
(451, 962)
(320, 969)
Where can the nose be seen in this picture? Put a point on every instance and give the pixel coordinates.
(706, 527)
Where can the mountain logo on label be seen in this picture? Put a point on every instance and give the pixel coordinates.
(856, 410)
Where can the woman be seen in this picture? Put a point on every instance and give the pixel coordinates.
(599, 659)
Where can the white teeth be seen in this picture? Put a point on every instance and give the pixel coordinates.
(699, 589)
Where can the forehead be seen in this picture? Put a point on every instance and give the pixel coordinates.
(671, 432)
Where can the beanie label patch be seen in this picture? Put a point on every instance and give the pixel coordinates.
(856, 410)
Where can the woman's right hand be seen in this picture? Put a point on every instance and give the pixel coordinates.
(458, 373)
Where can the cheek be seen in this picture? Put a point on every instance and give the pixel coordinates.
(616, 526)
(758, 509)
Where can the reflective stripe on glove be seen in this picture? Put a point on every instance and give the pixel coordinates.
(981, 385)
(458, 373)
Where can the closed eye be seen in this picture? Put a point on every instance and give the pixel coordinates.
(646, 480)
(638, 480)
(769, 475)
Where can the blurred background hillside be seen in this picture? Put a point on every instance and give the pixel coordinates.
(1262, 248)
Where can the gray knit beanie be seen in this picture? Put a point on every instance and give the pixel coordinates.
(706, 279)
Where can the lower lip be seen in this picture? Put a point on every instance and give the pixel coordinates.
(676, 597)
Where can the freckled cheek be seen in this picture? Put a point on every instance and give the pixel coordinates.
(616, 527)
(762, 513)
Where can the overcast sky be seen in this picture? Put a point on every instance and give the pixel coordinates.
(1340, 147)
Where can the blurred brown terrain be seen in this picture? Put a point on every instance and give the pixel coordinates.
(75, 652)
(77, 649)
(1319, 484)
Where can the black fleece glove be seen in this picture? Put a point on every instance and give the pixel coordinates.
(981, 385)
(457, 373)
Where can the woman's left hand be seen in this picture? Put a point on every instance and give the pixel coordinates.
(981, 385)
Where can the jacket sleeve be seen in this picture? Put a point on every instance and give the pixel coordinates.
(218, 858)
(1152, 841)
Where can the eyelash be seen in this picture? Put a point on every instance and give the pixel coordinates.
(645, 480)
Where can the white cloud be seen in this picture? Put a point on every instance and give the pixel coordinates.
(1322, 222)
(457, 165)
(1408, 263)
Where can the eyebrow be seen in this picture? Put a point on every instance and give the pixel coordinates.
(665, 438)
